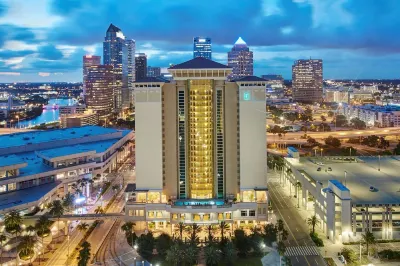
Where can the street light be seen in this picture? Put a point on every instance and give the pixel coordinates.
(345, 176)
(379, 162)
(321, 151)
(18, 121)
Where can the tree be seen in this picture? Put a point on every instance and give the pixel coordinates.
(84, 254)
(223, 226)
(146, 245)
(369, 239)
(396, 151)
(349, 255)
(331, 141)
(193, 231)
(3, 239)
(341, 120)
(331, 114)
(68, 201)
(281, 248)
(163, 243)
(181, 229)
(313, 221)
(190, 255)
(270, 232)
(282, 233)
(99, 210)
(323, 118)
(348, 151)
(82, 227)
(174, 255)
(25, 247)
(229, 253)
(210, 230)
(241, 242)
(13, 222)
(291, 116)
(129, 232)
(212, 254)
(57, 210)
(311, 141)
(42, 226)
(357, 123)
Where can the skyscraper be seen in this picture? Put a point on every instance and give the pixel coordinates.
(128, 72)
(99, 89)
(140, 66)
(202, 47)
(307, 80)
(89, 60)
(204, 139)
(240, 59)
(153, 71)
(112, 55)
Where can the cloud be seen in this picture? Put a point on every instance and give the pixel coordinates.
(10, 73)
(50, 52)
(44, 74)
(18, 46)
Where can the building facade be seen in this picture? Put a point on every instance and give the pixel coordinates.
(140, 66)
(128, 72)
(307, 80)
(78, 120)
(113, 45)
(240, 59)
(202, 47)
(40, 166)
(154, 72)
(88, 61)
(99, 89)
(201, 134)
(373, 115)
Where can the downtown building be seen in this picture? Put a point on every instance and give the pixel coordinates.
(202, 47)
(128, 72)
(240, 59)
(88, 61)
(113, 44)
(154, 72)
(307, 80)
(200, 149)
(140, 66)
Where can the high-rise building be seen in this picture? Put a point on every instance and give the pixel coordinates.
(307, 80)
(140, 66)
(202, 47)
(112, 55)
(99, 89)
(240, 59)
(204, 138)
(128, 72)
(153, 71)
(89, 60)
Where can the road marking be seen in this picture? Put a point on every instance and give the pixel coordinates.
(297, 258)
(316, 261)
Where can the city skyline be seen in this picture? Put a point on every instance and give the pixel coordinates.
(359, 45)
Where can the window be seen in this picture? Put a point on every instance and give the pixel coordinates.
(243, 213)
(252, 213)
(3, 188)
(12, 186)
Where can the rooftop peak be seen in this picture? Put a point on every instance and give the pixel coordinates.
(113, 28)
(240, 41)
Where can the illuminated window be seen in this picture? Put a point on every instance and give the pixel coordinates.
(12, 186)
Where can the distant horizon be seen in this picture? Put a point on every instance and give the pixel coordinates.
(45, 40)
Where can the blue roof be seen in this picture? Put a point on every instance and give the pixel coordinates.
(34, 137)
(25, 196)
(8, 160)
(250, 78)
(199, 63)
(151, 80)
(292, 149)
(339, 185)
(34, 166)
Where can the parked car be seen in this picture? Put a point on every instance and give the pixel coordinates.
(329, 168)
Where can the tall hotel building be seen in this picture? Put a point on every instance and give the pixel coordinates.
(112, 55)
(88, 61)
(240, 59)
(307, 80)
(128, 72)
(99, 85)
(202, 47)
(200, 148)
(140, 66)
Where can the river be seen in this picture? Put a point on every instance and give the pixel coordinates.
(47, 115)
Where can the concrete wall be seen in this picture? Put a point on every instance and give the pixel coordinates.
(253, 155)
(170, 139)
(148, 133)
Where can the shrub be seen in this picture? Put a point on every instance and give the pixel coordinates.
(318, 241)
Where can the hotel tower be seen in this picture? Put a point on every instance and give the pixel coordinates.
(200, 148)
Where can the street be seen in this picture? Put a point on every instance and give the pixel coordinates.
(299, 246)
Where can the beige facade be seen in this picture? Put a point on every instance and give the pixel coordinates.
(79, 120)
(200, 149)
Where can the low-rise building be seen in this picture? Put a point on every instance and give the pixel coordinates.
(349, 195)
(373, 115)
(38, 166)
(80, 119)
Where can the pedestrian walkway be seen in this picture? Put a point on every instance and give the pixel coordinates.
(302, 251)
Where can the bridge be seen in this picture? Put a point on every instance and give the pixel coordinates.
(88, 216)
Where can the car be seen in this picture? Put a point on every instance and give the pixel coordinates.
(319, 169)
(329, 168)
(371, 188)
(342, 259)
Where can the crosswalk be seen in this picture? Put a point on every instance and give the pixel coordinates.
(301, 251)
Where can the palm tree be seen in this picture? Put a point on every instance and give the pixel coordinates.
(211, 230)
(3, 238)
(298, 186)
(84, 254)
(57, 209)
(42, 226)
(190, 255)
(313, 221)
(212, 254)
(174, 255)
(99, 210)
(25, 247)
(229, 252)
(68, 201)
(12, 222)
(223, 226)
(128, 229)
(82, 227)
(281, 248)
(193, 230)
(368, 238)
(180, 229)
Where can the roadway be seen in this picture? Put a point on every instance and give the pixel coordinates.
(299, 247)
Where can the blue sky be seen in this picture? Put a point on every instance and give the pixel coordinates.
(44, 40)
